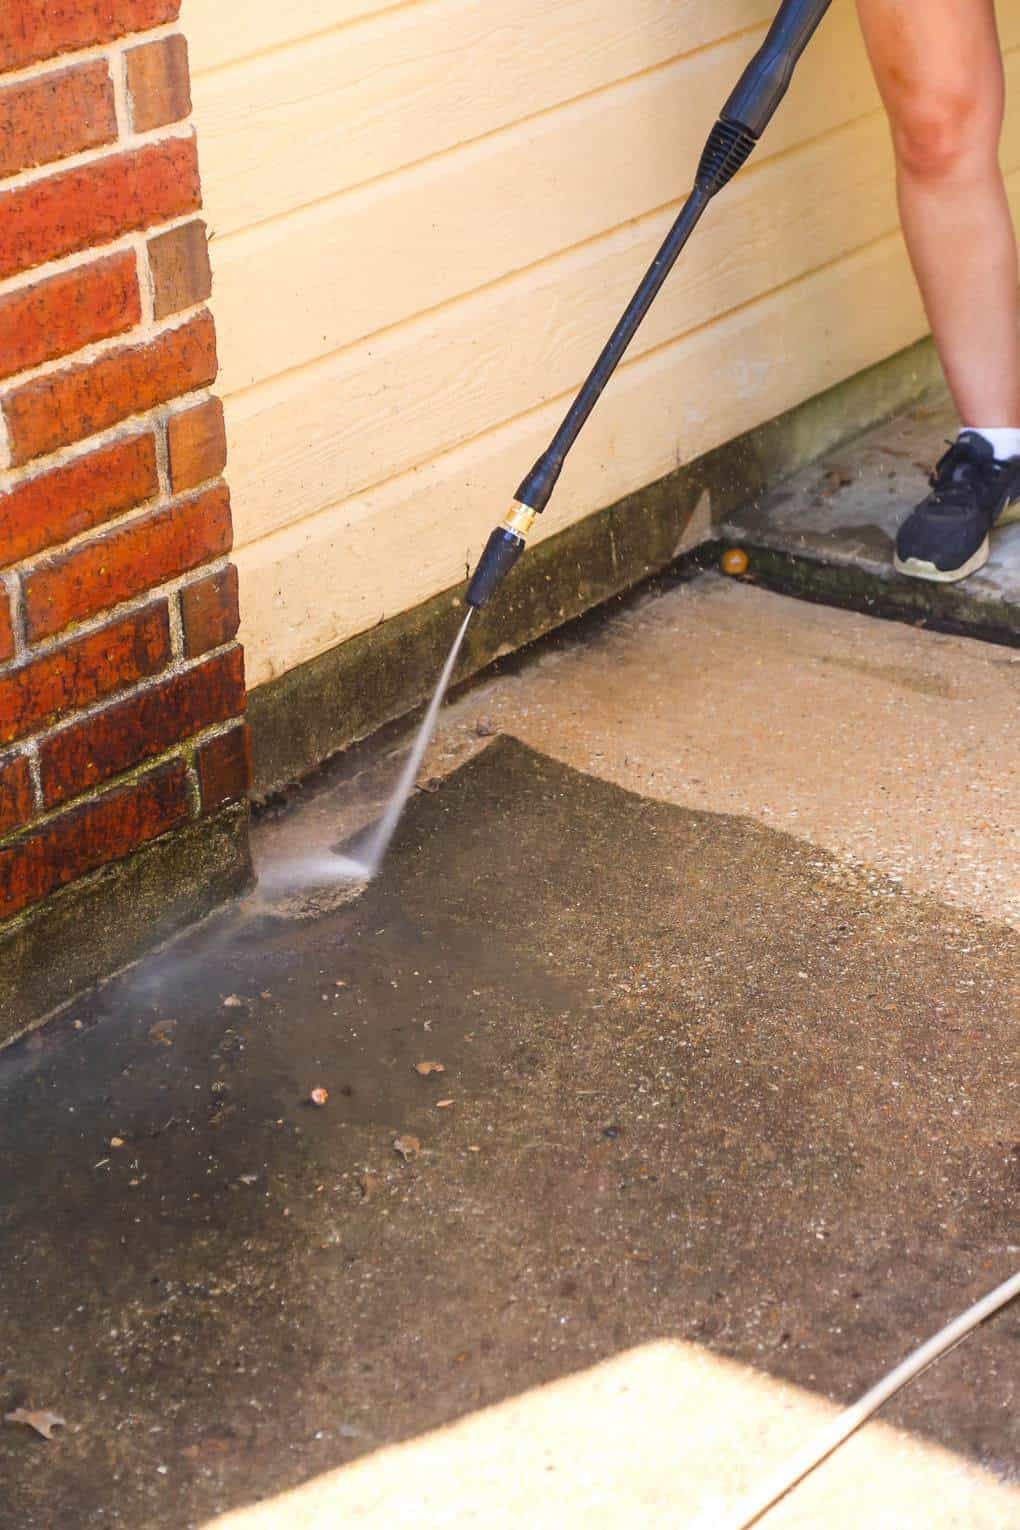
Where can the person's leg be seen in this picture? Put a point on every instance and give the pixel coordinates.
(939, 70)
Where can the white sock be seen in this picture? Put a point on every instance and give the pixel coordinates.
(1005, 442)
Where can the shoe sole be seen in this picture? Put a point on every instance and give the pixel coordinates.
(917, 568)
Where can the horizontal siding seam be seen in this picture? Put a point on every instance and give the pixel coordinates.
(560, 400)
(207, 71)
(755, 167)
(476, 144)
(480, 141)
(383, 18)
(506, 278)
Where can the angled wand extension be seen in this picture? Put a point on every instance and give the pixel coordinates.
(743, 120)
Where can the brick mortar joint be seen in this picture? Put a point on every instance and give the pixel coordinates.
(13, 477)
(12, 584)
(139, 335)
(25, 73)
(177, 668)
(127, 778)
(193, 786)
(124, 144)
(25, 567)
(176, 626)
(162, 456)
(13, 922)
(127, 518)
(120, 612)
(117, 69)
(143, 273)
(31, 753)
(93, 253)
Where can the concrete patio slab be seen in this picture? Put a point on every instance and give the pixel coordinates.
(712, 1086)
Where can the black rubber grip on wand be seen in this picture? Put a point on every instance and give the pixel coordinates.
(767, 77)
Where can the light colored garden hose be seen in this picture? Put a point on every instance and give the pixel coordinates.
(757, 1505)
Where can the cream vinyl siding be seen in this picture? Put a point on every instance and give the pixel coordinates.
(427, 216)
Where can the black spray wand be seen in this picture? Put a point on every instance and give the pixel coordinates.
(743, 120)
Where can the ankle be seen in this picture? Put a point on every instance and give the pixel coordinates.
(1003, 439)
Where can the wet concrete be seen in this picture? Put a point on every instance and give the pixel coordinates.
(709, 1083)
(831, 529)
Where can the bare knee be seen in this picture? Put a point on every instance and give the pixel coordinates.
(937, 137)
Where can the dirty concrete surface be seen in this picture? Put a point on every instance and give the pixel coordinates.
(717, 947)
(890, 746)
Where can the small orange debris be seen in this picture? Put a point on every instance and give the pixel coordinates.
(734, 562)
(319, 1096)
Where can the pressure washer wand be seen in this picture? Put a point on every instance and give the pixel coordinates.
(742, 121)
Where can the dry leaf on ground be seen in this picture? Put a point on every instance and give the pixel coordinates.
(39, 1419)
(407, 1147)
(425, 1068)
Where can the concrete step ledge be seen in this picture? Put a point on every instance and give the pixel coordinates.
(828, 533)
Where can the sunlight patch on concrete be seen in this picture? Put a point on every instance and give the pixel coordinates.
(665, 1435)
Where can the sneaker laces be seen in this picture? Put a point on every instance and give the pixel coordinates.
(959, 473)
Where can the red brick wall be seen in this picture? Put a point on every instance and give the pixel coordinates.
(121, 684)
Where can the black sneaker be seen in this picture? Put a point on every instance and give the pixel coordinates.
(947, 536)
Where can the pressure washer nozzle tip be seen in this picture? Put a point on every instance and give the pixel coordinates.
(501, 552)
